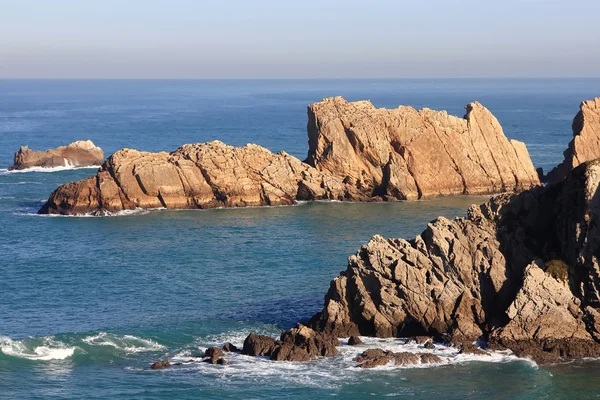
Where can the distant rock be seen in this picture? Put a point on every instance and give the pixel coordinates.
(77, 154)
(407, 154)
(585, 145)
(214, 352)
(519, 270)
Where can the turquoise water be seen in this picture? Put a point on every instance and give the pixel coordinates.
(87, 303)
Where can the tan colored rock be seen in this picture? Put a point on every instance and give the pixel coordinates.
(407, 154)
(377, 357)
(480, 276)
(77, 154)
(204, 175)
(585, 145)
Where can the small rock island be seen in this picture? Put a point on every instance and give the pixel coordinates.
(82, 153)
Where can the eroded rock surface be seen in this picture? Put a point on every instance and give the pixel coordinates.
(377, 357)
(77, 154)
(407, 154)
(481, 276)
(204, 175)
(357, 153)
(585, 145)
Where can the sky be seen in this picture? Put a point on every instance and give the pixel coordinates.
(299, 38)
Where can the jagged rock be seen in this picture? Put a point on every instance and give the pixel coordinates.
(77, 154)
(213, 359)
(214, 352)
(357, 153)
(407, 154)
(297, 344)
(480, 276)
(228, 347)
(354, 341)
(258, 345)
(303, 343)
(160, 364)
(470, 348)
(377, 357)
(204, 175)
(429, 345)
(585, 145)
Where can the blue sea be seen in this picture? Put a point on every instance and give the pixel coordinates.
(87, 303)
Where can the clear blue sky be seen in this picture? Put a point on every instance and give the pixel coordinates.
(299, 38)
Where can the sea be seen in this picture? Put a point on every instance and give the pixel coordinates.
(88, 303)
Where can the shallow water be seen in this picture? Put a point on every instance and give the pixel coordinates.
(88, 303)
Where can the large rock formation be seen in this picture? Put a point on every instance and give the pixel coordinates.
(408, 154)
(204, 175)
(585, 145)
(520, 271)
(77, 154)
(357, 153)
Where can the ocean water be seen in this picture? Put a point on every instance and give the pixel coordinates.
(87, 303)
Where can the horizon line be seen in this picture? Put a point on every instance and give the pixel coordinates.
(291, 78)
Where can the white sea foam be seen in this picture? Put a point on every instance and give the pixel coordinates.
(67, 167)
(44, 349)
(123, 213)
(125, 343)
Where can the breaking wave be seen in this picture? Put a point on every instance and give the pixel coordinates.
(67, 167)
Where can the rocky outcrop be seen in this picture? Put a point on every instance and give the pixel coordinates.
(407, 154)
(77, 154)
(297, 344)
(585, 145)
(492, 275)
(207, 175)
(357, 153)
(377, 357)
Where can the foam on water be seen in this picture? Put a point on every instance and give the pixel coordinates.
(44, 349)
(125, 343)
(329, 372)
(68, 167)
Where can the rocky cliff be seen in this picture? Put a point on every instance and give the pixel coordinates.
(77, 154)
(520, 271)
(407, 154)
(585, 145)
(204, 175)
(357, 153)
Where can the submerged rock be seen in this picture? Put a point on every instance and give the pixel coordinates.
(77, 154)
(407, 154)
(481, 277)
(585, 145)
(160, 364)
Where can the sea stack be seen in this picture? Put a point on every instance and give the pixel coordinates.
(519, 271)
(356, 153)
(585, 145)
(82, 153)
(409, 154)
